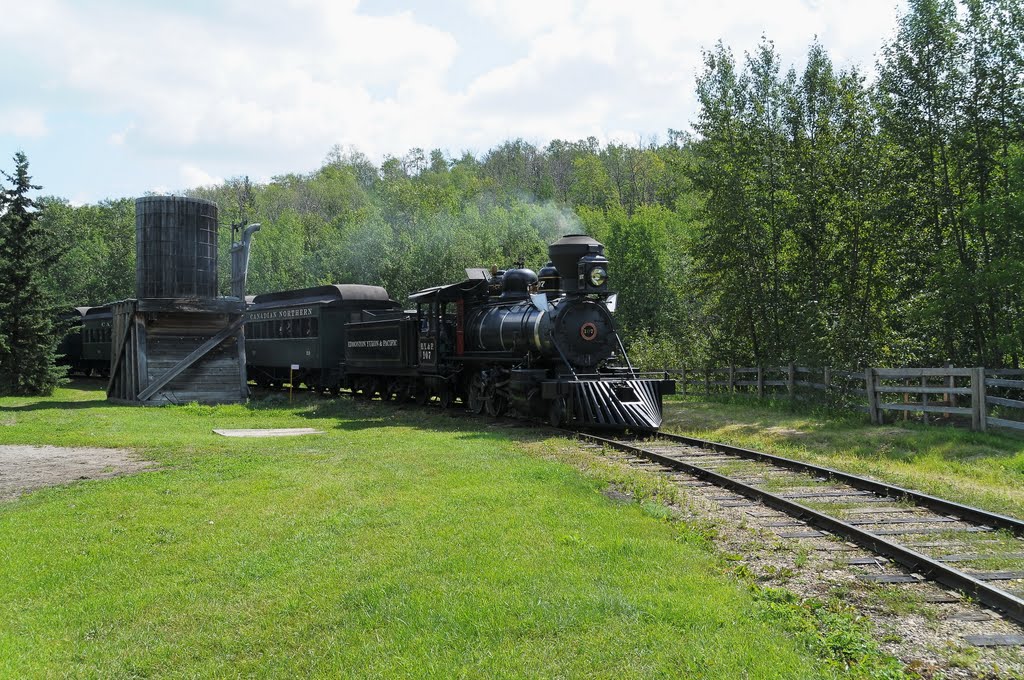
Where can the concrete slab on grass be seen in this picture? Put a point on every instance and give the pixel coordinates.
(278, 432)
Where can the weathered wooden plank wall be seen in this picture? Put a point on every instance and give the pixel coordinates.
(170, 353)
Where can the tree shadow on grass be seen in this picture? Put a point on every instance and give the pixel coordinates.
(58, 405)
(456, 421)
(48, 403)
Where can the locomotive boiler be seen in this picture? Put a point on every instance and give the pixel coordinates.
(573, 323)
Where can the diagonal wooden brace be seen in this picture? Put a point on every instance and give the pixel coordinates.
(119, 358)
(196, 354)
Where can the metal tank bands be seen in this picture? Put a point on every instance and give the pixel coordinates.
(176, 247)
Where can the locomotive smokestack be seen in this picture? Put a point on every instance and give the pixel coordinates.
(566, 252)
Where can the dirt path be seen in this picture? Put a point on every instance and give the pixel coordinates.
(24, 468)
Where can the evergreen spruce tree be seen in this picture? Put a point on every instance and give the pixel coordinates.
(29, 330)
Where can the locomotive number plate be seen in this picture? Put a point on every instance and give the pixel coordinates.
(427, 350)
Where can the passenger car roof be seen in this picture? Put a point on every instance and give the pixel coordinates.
(102, 310)
(337, 292)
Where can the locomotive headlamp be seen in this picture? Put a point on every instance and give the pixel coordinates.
(598, 276)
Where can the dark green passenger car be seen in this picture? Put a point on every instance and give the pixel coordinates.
(97, 325)
(305, 328)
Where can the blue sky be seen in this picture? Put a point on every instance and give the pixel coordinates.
(115, 98)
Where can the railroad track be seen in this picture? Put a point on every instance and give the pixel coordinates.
(976, 552)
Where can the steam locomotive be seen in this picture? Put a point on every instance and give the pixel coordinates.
(540, 346)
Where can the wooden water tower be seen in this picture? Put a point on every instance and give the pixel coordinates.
(177, 341)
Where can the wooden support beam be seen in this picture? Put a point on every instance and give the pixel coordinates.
(118, 357)
(196, 354)
(191, 305)
(142, 357)
(243, 375)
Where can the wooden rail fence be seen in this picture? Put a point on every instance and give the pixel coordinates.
(987, 397)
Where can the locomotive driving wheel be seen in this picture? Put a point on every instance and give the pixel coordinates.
(496, 403)
(363, 388)
(477, 396)
(556, 412)
(405, 391)
(422, 393)
(447, 396)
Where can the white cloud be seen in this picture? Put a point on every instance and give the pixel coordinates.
(23, 123)
(267, 87)
(194, 176)
(523, 18)
(613, 64)
(189, 81)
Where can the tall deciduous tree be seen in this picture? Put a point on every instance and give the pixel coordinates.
(28, 308)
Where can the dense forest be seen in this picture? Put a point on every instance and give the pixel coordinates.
(827, 215)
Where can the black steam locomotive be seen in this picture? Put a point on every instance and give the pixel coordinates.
(538, 346)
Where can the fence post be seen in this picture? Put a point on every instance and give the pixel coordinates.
(979, 415)
(950, 397)
(682, 379)
(924, 400)
(791, 380)
(977, 395)
(732, 378)
(760, 381)
(707, 381)
(869, 390)
(906, 399)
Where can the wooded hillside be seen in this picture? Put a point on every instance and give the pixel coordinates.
(828, 216)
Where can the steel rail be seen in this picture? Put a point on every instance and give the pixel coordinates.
(1008, 603)
(941, 505)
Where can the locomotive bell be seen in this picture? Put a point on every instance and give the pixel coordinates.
(549, 279)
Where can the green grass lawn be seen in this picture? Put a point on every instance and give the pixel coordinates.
(986, 470)
(402, 542)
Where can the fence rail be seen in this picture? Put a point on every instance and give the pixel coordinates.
(988, 397)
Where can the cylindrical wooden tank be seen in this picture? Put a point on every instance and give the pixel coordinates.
(175, 247)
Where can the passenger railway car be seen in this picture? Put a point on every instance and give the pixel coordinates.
(97, 327)
(86, 345)
(70, 348)
(306, 328)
